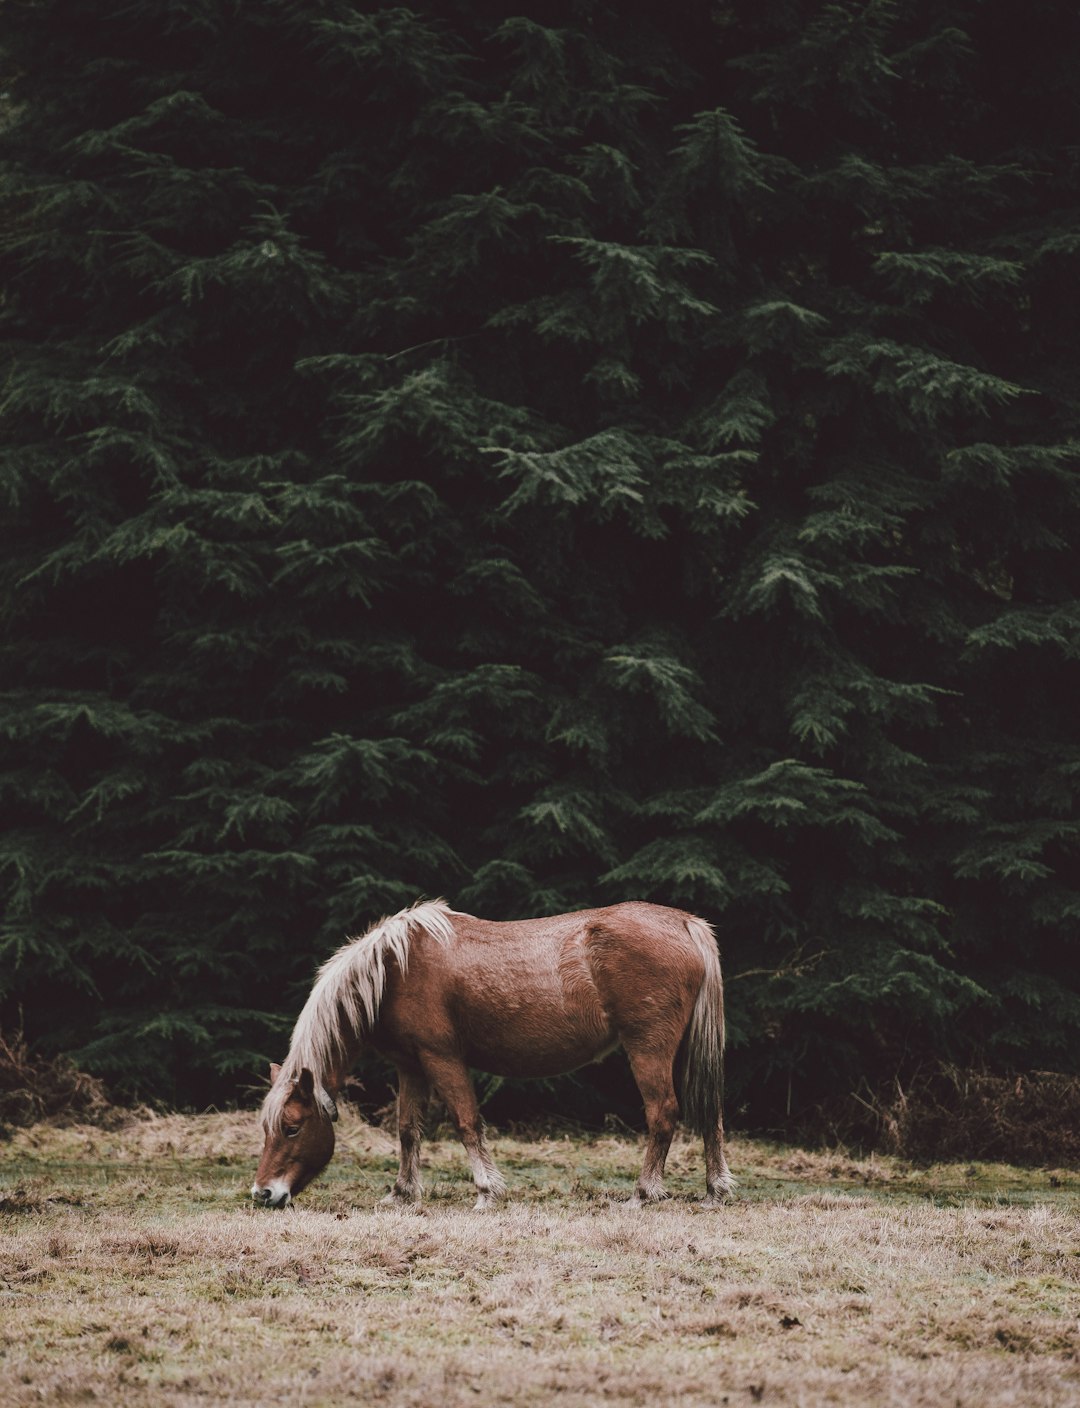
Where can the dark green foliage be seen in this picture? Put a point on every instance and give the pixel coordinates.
(542, 460)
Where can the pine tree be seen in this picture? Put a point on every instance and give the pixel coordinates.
(543, 460)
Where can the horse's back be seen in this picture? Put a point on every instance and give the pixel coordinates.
(540, 996)
(616, 949)
(634, 923)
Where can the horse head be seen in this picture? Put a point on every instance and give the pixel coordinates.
(299, 1127)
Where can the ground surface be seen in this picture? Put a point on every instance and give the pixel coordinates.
(133, 1271)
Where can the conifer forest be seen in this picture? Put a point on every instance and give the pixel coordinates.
(541, 456)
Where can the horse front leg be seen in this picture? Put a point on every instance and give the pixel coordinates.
(450, 1080)
(412, 1100)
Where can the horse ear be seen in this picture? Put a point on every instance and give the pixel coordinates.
(275, 1071)
(305, 1084)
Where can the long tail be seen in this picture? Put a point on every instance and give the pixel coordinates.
(703, 1046)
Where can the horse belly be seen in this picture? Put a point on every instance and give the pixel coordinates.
(527, 1048)
(534, 1019)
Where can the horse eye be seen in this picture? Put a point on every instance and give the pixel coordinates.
(290, 1131)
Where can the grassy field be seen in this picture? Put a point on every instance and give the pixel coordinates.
(133, 1271)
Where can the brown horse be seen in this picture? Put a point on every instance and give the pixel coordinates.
(437, 992)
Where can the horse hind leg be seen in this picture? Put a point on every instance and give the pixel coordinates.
(452, 1084)
(653, 1073)
(720, 1182)
(413, 1095)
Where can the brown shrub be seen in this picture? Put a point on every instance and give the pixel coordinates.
(33, 1088)
(954, 1114)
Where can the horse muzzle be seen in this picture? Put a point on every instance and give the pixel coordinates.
(274, 1195)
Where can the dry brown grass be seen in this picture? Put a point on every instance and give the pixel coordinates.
(132, 1271)
(950, 1112)
(36, 1088)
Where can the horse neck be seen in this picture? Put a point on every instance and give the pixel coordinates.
(335, 1076)
(329, 1051)
(344, 1005)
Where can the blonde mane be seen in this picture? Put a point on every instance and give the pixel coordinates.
(345, 998)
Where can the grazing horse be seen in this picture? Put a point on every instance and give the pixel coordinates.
(436, 992)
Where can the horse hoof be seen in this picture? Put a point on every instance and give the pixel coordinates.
(399, 1200)
(638, 1199)
(721, 1193)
